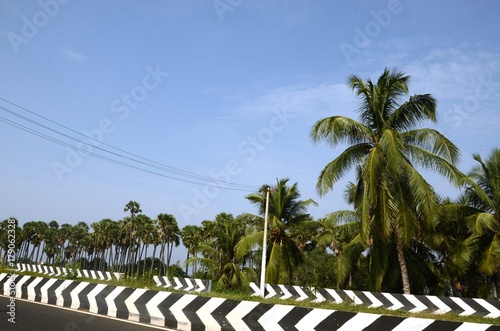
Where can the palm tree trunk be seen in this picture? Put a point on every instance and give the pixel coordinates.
(402, 262)
(153, 260)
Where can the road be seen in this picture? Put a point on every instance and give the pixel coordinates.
(32, 316)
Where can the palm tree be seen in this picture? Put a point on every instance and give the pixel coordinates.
(191, 236)
(396, 202)
(169, 235)
(479, 206)
(285, 211)
(134, 208)
(218, 253)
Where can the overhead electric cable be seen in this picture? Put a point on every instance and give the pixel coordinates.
(192, 177)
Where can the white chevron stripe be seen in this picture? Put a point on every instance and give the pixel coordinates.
(443, 308)
(468, 310)
(45, 289)
(473, 327)
(157, 317)
(375, 302)
(359, 322)
(183, 323)
(178, 283)
(75, 301)
(189, 283)
(273, 316)
(200, 285)
(31, 288)
(353, 297)
(270, 291)
(92, 297)
(419, 305)
(255, 289)
(118, 275)
(19, 285)
(235, 316)
(58, 292)
(110, 300)
(205, 314)
(286, 293)
(396, 304)
(334, 295)
(302, 294)
(319, 296)
(311, 320)
(157, 280)
(167, 281)
(413, 324)
(133, 313)
(494, 312)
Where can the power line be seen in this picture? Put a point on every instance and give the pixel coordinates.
(192, 178)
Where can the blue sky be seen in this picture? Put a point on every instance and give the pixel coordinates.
(226, 89)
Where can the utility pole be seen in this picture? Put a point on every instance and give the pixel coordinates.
(264, 248)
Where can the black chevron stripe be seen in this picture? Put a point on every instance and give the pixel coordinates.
(480, 310)
(407, 305)
(100, 299)
(295, 315)
(38, 289)
(6, 279)
(442, 326)
(455, 308)
(220, 313)
(493, 328)
(251, 319)
(164, 307)
(292, 291)
(140, 304)
(24, 287)
(384, 323)
(51, 292)
(190, 312)
(66, 293)
(83, 296)
(382, 298)
(334, 321)
(121, 308)
(364, 299)
(431, 307)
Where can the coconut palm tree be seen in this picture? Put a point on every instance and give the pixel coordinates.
(479, 207)
(396, 201)
(285, 211)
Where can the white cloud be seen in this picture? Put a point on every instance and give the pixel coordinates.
(75, 56)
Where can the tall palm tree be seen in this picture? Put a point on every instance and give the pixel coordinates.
(480, 207)
(134, 208)
(285, 211)
(396, 201)
(191, 236)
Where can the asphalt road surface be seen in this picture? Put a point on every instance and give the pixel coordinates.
(30, 316)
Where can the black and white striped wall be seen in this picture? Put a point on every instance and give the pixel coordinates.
(406, 302)
(192, 312)
(184, 284)
(57, 271)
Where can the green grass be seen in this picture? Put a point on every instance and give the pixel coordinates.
(146, 283)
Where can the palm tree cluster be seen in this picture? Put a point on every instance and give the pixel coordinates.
(400, 235)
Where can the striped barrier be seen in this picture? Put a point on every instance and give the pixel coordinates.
(184, 284)
(407, 302)
(57, 271)
(192, 312)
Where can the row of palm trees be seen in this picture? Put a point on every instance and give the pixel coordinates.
(399, 236)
